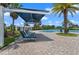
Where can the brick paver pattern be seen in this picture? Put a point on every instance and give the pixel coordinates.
(45, 44)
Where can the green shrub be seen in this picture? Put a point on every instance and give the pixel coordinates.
(8, 40)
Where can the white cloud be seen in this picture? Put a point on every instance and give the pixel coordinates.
(48, 9)
(7, 14)
(58, 22)
(73, 21)
(44, 18)
(77, 11)
(50, 23)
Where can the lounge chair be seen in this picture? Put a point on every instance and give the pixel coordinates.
(28, 36)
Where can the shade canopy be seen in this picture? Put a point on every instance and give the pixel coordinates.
(31, 17)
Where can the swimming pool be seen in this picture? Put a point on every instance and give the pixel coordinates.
(76, 31)
(50, 30)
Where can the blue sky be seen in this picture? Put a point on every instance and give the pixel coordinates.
(50, 19)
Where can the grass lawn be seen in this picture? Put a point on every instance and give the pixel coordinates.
(69, 34)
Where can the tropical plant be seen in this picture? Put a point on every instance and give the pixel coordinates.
(5, 4)
(14, 14)
(65, 8)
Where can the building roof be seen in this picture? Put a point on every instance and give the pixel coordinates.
(31, 17)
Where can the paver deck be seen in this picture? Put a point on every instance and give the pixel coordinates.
(46, 44)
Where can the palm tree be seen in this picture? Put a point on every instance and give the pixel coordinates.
(14, 14)
(5, 4)
(65, 8)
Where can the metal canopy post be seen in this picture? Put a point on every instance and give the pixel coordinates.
(1, 27)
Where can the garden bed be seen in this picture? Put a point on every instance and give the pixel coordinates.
(9, 39)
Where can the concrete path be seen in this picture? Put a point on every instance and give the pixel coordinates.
(46, 44)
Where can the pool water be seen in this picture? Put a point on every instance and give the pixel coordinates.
(76, 31)
(50, 30)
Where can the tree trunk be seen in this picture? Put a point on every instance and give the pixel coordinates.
(13, 27)
(65, 21)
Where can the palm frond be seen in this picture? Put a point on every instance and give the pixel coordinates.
(71, 12)
(60, 13)
(59, 7)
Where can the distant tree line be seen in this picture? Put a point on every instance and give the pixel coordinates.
(45, 27)
(48, 27)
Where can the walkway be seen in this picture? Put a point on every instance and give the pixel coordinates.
(46, 44)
